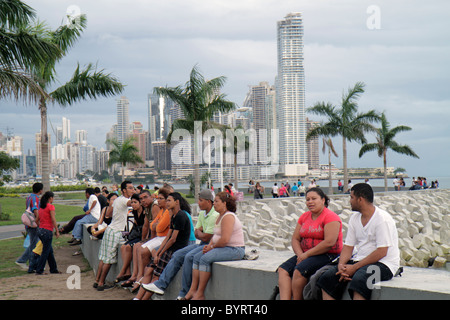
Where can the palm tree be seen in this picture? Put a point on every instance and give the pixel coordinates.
(22, 46)
(124, 153)
(327, 142)
(344, 122)
(385, 141)
(88, 83)
(199, 101)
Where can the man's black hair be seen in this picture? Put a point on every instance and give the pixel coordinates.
(363, 190)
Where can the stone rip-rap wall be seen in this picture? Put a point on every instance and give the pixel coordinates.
(422, 218)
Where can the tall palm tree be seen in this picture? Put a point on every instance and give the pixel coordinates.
(21, 46)
(124, 153)
(327, 142)
(385, 141)
(198, 100)
(344, 121)
(88, 83)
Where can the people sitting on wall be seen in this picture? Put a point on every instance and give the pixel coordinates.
(317, 240)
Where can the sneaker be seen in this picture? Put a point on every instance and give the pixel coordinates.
(75, 242)
(22, 265)
(153, 288)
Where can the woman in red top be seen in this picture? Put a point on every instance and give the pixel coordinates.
(47, 222)
(317, 240)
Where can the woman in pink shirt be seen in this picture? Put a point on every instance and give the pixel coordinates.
(317, 240)
(227, 244)
(47, 223)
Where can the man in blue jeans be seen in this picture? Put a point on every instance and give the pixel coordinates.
(183, 257)
(33, 204)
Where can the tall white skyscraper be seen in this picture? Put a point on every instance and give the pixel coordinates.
(123, 125)
(81, 137)
(65, 130)
(290, 87)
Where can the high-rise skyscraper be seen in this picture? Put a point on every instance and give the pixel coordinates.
(122, 119)
(161, 114)
(290, 87)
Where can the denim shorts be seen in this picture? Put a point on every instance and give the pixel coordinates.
(329, 281)
(308, 266)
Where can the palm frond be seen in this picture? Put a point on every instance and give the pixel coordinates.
(66, 35)
(87, 84)
(368, 147)
(15, 13)
(19, 85)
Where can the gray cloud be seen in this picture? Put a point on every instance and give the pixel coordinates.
(405, 64)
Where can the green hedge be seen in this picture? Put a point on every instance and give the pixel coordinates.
(29, 189)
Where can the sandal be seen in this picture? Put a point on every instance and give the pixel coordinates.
(128, 283)
(122, 278)
(136, 289)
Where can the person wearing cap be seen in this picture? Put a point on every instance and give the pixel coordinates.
(204, 231)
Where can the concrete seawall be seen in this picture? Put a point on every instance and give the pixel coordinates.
(422, 219)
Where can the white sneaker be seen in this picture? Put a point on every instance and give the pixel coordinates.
(22, 265)
(153, 288)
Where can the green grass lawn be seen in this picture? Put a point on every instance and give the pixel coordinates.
(11, 249)
(16, 206)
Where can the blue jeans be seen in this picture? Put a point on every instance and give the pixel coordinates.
(77, 232)
(46, 236)
(178, 259)
(203, 262)
(33, 241)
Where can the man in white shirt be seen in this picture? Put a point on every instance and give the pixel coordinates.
(275, 190)
(373, 233)
(92, 216)
(112, 237)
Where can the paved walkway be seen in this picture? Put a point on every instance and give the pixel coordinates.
(14, 231)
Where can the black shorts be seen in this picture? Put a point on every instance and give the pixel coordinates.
(360, 282)
(308, 266)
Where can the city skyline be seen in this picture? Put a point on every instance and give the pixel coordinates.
(404, 63)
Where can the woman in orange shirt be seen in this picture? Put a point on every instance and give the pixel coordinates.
(160, 226)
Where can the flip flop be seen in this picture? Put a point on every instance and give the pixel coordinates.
(122, 278)
(127, 284)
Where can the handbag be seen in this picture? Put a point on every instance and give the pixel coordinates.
(29, 219)
(134, 233)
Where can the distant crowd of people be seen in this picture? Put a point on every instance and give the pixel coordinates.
(421, 183)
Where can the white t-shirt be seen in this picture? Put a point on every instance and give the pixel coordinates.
(95, 212)
(120, 212)
(275, 189)
(379, 232)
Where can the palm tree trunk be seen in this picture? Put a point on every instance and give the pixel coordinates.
(197, 180)
(123, 171)
(45, 163)
(385, 172)
(344, 160)
(236, 181)
(330, 180)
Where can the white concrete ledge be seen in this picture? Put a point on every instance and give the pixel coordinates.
(256, 279)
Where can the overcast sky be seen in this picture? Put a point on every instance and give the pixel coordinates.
(405, 63)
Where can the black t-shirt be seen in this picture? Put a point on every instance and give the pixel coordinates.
(102, 200)
(180, 222)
